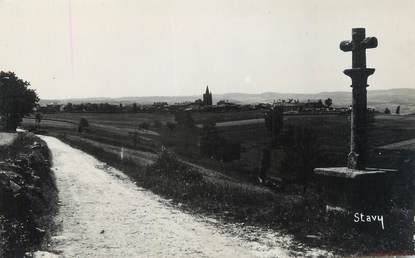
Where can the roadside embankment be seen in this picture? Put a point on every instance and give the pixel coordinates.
(28, 196)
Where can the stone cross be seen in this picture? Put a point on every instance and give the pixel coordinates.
(357, 157)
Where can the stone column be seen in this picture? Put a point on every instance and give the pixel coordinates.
(357, 158)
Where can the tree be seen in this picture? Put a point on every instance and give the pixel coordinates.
(135, 136)
(38, 119)
(274, 122)
(398, 110)
(135, 108)
(171, 126)
(82, 124)
(16, 99)
(319, 104)
(144, 126)
(387, 111)
(328, 102)
(68, 107)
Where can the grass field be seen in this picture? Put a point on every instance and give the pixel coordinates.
(331, 131)
(131, 120)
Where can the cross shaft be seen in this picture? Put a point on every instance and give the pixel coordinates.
(357, 157)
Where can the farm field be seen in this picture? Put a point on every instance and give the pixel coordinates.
(331, 131)
(133, 119)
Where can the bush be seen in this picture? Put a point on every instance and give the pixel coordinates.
(167, 164)
(83, 123)
(274, 122)
(144, 126)
(171, 126)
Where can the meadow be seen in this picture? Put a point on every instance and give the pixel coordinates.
(332, 133)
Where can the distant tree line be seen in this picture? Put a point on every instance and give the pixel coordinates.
(93, 107)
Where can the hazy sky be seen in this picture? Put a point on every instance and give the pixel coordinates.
(112, 48)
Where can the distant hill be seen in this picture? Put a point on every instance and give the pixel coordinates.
(379, 99)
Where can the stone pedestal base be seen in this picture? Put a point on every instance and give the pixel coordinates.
(356, 190)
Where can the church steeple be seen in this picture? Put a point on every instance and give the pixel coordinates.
(207, 97)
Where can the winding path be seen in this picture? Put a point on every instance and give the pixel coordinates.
(104, 214)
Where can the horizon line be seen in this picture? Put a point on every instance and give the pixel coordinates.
(193, 95)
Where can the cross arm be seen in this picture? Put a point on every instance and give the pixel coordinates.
(370, 42)
(346, 46)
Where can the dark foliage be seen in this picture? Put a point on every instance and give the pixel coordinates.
(16, 99)
(38, 119)
(328, 102)
(398, 110)
(144, 125)
(167, 162)
(135, 108)
(274, 121)
(28, 197)
(171, 126)
(83, 123)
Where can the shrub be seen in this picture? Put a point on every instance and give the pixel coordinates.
(83, 123)
(274, 122)
(144, 126)
(167, 164)
(171, 126)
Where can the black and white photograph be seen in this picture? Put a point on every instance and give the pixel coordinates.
(196, 128)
